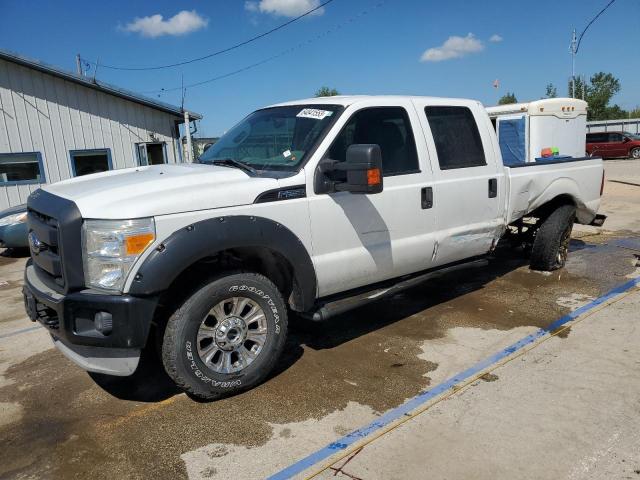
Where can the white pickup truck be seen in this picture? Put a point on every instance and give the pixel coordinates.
(313, 206)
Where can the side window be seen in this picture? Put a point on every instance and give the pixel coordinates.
(151, 153)
(21, 168)
(456, 136)
(615, 137)
(388, 127)
(85, 162)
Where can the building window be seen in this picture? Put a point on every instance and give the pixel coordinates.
(152, 153)
(388, 127)
(456, 136)
(21, 168)
(85, 162)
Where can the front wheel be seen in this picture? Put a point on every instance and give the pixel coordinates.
(635, 153)
(551, 244)
(226, 337)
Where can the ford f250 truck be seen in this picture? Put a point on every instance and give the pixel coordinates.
(311, 207)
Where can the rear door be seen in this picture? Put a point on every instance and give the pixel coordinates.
(469, 179)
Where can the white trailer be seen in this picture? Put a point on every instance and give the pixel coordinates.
(525, 130)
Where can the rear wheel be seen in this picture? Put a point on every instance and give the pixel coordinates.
(551, 244)
(226, 337)
(635, 153)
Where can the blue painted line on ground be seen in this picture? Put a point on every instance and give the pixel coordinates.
(629, 243)
(18, 332)
(423, 397)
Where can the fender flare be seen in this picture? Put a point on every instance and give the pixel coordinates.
(192, 243)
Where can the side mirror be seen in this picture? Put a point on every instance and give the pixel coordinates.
(363, 168)
(626, 139)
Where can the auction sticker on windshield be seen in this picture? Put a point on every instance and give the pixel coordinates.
(314, 113)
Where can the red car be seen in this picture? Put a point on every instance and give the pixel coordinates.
(613, 144)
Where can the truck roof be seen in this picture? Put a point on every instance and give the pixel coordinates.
(346, 100)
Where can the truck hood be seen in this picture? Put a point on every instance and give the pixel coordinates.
(160, 190)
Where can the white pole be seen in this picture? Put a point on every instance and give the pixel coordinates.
(188, 156)
(572, 49)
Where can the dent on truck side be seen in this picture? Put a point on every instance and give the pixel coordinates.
(200, 240)
(564, 189)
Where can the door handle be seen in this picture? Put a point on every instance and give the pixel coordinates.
(493, 187)
(426, 198)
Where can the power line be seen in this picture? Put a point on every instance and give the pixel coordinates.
(575, 45)
(224, 50)
(589, 24)
(273, 57)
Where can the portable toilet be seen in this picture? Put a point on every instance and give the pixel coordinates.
(542, 130)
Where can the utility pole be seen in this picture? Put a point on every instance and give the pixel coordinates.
(187, 131)
(575, 46)
(573, 49)
(78, 64)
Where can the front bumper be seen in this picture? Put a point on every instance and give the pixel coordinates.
(101, 333)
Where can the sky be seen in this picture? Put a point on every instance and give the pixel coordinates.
(451, 48)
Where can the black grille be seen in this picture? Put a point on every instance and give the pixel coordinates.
(44, 243)
(55, 231)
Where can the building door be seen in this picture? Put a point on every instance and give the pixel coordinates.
(151, 153)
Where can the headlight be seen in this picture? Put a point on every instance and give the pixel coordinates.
(13, 219)
(110, 247)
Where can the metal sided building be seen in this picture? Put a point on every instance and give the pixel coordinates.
(55, 125)
(631, 125)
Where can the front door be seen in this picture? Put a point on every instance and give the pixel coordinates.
(615, 146)
(469, 187)
(362, 239)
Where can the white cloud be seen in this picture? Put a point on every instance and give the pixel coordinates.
(453, 47)
(283, 8)
(495, 38)
(251, 6)
(154, 26)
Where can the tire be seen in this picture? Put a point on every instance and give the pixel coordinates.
(226, 337)
(635, 153)
(551, 243)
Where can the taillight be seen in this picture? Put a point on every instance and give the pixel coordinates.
(602, 184)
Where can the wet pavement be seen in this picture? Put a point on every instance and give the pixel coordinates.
(56, 422)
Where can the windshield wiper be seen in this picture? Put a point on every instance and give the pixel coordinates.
(230, 162)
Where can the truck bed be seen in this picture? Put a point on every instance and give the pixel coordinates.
(533, 184)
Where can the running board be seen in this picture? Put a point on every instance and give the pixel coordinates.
(324, 311)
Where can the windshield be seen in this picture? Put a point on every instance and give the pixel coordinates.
(276, 138)
(632, 136)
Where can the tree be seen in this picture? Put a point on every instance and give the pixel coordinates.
(598, 92)
(551, 91)
(635, 113)
(508, 98)
(327, 92)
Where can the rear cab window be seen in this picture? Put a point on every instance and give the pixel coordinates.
(456, 137)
